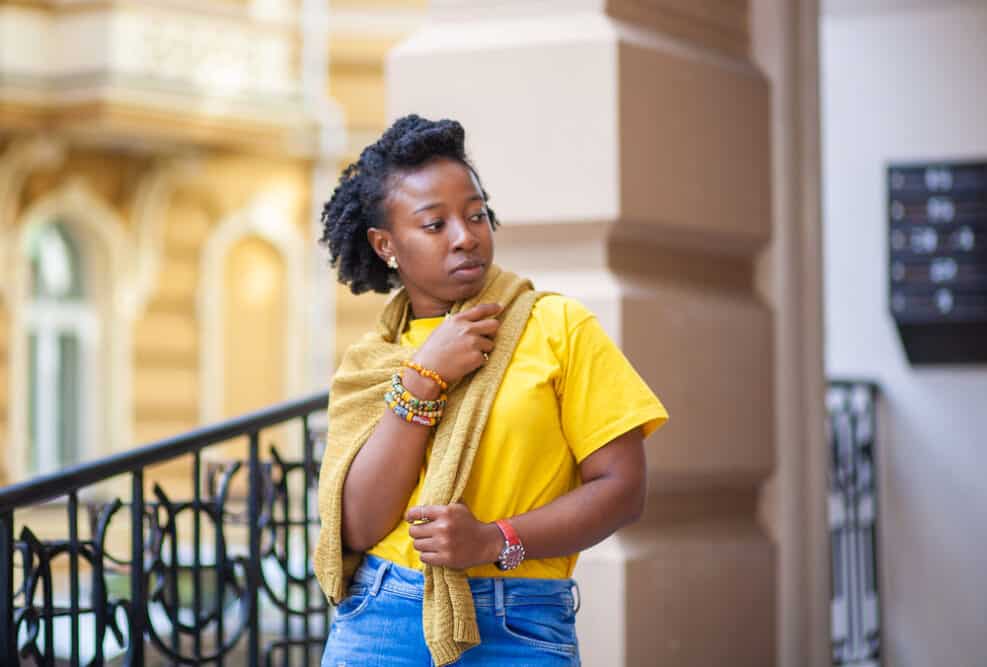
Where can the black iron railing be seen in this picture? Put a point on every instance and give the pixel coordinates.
(852, 429)
(222, 577)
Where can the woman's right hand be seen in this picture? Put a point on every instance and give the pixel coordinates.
(457, 346)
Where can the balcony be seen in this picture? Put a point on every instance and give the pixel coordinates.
(165, 74)
(221, 575)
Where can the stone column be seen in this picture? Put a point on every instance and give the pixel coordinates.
(626, 148)
(785, 36)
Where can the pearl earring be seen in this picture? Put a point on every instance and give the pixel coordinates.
(392, 262)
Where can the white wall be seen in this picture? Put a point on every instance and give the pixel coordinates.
(909, 85)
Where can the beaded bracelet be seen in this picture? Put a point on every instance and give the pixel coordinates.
(393, 399)
(414, 402)
(426, 373)
(410, 408)
(410, 416)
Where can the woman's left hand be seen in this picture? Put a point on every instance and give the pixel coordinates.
(450, 536)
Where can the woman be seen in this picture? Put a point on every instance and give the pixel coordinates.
(479, 439)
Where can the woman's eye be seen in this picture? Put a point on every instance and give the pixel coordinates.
(434, 226)
(477, 217)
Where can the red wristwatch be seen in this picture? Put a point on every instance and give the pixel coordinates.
(513, 551)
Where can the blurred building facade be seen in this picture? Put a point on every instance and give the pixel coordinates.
(161, 169)
(162, 164)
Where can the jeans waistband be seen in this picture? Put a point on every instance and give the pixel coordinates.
(495, 592)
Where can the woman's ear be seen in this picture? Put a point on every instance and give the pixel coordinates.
(380, 241)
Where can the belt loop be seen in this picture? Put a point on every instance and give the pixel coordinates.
(578, 595)
(379, 578)
(499, 595)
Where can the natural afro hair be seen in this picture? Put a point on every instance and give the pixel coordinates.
(357, 204)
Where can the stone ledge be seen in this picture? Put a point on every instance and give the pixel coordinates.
(158, 74)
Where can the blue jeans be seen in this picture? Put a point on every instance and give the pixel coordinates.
(523, 622)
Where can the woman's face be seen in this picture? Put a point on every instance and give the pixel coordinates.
(439, 232)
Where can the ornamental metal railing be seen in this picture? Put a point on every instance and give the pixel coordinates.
(219, 577)
(853, 523)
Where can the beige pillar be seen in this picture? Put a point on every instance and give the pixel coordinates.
(626, 147)
(785, 48)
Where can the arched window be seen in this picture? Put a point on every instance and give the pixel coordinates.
(62, 330)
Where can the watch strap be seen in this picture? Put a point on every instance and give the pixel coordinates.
(512, 554)
(510, 535)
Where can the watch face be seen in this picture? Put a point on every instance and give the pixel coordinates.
(511, 557)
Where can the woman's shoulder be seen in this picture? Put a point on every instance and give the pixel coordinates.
(560, 313)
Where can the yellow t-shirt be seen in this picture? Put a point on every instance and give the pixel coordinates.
(568, 390)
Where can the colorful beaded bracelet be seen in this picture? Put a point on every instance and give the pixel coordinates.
(413, 401)
(426, 373)
(393, 400)
(411, 417)
(411, 408)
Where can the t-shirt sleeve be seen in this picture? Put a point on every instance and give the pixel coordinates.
(601, 396)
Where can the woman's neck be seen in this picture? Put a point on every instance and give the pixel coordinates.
(429, 308)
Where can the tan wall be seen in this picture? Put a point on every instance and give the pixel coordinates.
(4, 390)
(356, 79)
(362, 32)
(166, 337)
(253, 326)
(169, 396)
(381, 5)
(164, 372)
(112, 178)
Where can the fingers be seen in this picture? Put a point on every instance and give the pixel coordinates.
(425, 530)
(449, 538)
(431, 558)
(484, 327)
(420, 531)
(423, 513)
(426, 544)
(432, 549)
(432, 512)
(482, 311)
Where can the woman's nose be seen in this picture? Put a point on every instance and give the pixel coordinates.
(463, 237)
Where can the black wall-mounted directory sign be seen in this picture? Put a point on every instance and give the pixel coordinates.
(938, 255)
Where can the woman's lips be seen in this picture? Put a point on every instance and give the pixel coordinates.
(469, 271)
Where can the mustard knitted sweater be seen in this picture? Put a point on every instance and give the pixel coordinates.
(356, 405)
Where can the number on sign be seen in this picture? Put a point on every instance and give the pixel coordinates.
(924, 240)
(940, 209)
(944, 301)
(897, 272)
(964, 239)
(939, 179)
(943, 269)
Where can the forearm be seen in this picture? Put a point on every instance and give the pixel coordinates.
(612, 495)
(384, 474)
(571, 523)
(581, 518)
